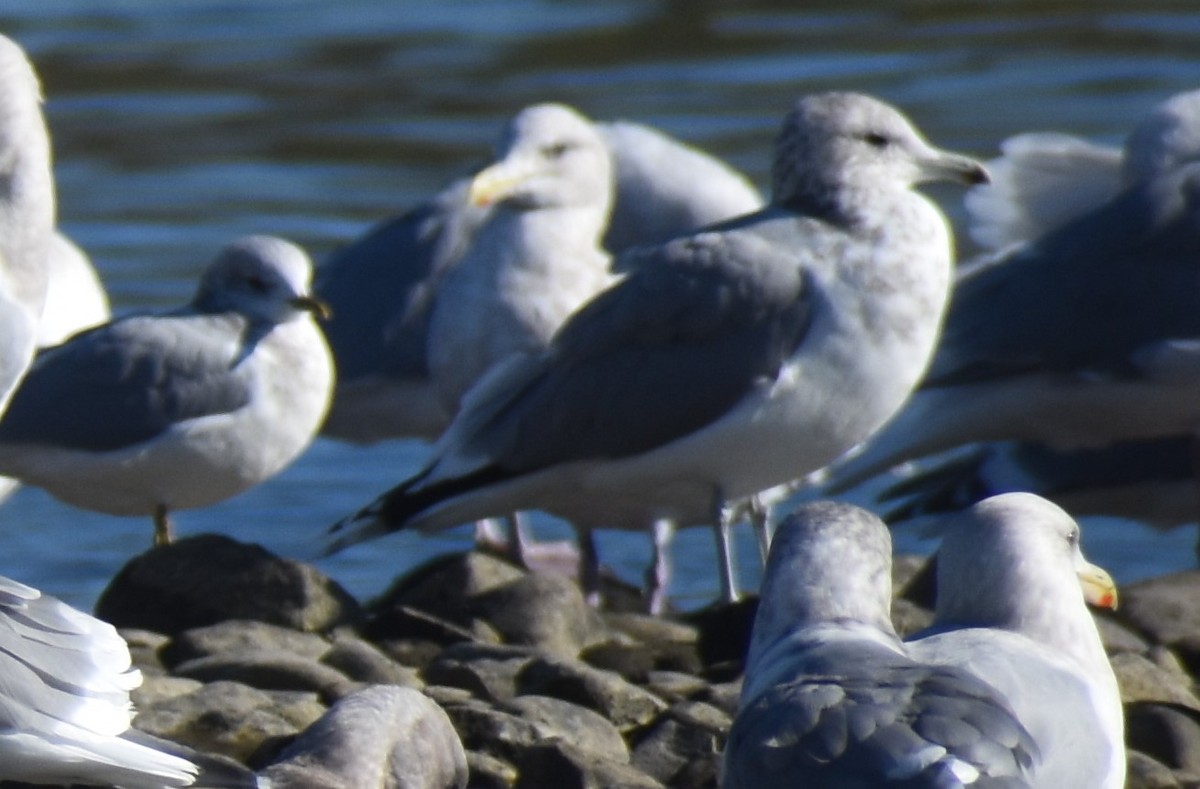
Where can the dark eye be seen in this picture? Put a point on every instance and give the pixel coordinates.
(258, 284)
(1073, 537)
(556, 150)
(877, 140)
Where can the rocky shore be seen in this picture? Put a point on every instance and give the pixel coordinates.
(242, 651)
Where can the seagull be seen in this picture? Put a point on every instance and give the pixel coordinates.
(535, 259)
(1088, 334)
(726, 361)
(830, 698)
(382, 287)
(1012, 584)
(154, 413)
(1044, 180)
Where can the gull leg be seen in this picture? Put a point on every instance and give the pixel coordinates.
(162, 526)
(722, 519)
(518, 538)
(589, 567)
(760, 520)
(658, 575)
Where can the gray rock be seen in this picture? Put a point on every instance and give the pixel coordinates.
(159, 687)
(241, 635)
(669, 645)
(407, 623)
(543, 611)
(443, 586)
(1164, 608)
(208, 579)
(488, 772)
(909, 617)
(675, 686)
(724, 696)
(678, 754)
(381, 737)
(271, 670)
(562, 766)
(1142, 680)
(626, 705)
(145, 647)
(1168, 733)
(229, 718)
(1119, 637)
(571, 723)
(486, 729)
(1143, 772)
(700, 715)
(488, 672)
(364, 662)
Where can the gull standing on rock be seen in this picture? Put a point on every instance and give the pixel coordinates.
(830, 697)
(154, 413)
(727, 361)
(1011, 590)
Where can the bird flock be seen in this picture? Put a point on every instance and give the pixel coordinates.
(611, 326)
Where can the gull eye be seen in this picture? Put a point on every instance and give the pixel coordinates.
(555, 150)
(1073, 537)
(877, 140)
(258, 284)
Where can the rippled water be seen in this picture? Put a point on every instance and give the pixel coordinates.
(181, 125)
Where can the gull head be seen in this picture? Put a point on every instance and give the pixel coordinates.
(549, 156)
(1002, 560)
(264, 278)
(837, 148)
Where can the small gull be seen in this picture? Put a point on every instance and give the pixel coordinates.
(1012, 584)
(725, 362)
(382, 287)
(153, 413)
(1086, 335)
(831, 699)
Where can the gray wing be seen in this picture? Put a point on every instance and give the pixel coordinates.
(1115, 479)
(663, 353)
(380, 288)
(862, 719)
(128, 381)
(1086, 296)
